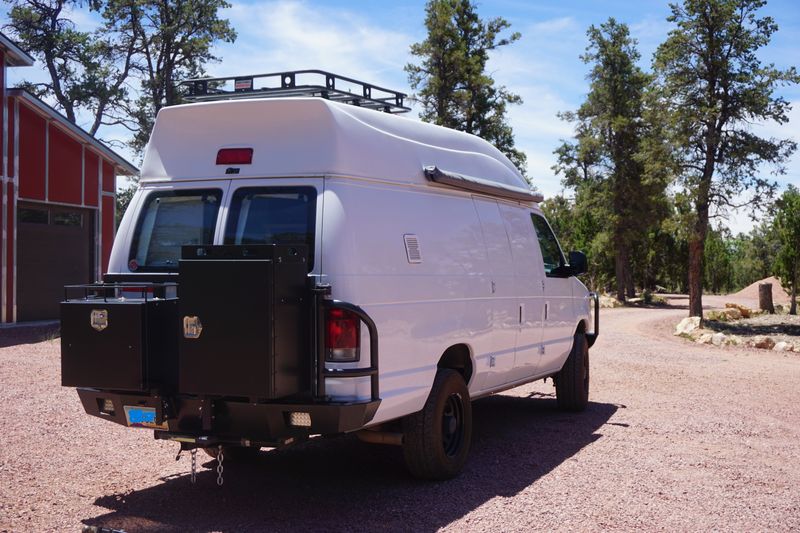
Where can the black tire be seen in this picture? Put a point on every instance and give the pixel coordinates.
(436, 440)
(572, 381)
(237, 454)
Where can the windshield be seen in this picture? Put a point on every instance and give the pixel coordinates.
(273, 215)
(169, 220)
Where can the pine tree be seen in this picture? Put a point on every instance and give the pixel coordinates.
(605, 154)
(711, 87)
(787, 230)
(89, 71)
(451, 82)
(174, 41)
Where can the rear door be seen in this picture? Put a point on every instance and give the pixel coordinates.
(276, 211)
(170, 216)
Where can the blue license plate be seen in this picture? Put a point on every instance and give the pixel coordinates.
(142, 417)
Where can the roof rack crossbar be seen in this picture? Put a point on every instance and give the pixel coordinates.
(286, 84)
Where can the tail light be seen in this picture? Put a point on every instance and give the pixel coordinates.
(343, 336)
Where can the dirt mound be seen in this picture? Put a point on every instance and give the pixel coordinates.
(779, 296)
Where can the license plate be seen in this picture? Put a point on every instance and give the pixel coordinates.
(142, 417)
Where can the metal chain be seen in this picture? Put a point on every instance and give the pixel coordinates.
(194, 465)
(220, 458)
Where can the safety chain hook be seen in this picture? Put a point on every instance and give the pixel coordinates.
(220, 458)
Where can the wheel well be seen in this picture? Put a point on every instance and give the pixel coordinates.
(457, 358)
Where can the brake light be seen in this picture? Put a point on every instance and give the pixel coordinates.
(235, 156)
(343, 336)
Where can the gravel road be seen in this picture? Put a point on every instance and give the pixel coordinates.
(677, 437)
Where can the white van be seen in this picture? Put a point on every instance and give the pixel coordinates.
(299, 266)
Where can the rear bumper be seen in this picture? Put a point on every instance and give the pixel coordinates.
(211, 421)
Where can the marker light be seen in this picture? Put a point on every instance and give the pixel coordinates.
(343, 336)
(235, 156)
(106, 406)
(300, 419)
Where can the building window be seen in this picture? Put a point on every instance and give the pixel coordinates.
(29, 215)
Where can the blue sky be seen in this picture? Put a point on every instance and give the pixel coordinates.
(370, 41)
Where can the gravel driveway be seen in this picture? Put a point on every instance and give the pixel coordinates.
(677, 437)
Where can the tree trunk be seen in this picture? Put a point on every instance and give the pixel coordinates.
(793, 305)
(631, 288)
(765, 297)
(697, 244)
(696, 277)
(620, 261)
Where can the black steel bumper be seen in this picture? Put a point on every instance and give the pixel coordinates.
(207, 421)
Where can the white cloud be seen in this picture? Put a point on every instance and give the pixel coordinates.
(83, 19)
(556, 26)
(543, 67)
(286, 35)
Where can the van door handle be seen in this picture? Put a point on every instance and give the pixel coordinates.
(546, 309)
(493, 287)
(521, 313)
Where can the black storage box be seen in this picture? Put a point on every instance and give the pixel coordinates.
(245, 320)
(119, 344)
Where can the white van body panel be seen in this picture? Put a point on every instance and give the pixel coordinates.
(480, 282)
(313, 137)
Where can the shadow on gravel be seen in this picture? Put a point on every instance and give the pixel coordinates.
(344, 484)
(749, 330)
(24, 334)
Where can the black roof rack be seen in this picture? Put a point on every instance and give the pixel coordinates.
(296, 83)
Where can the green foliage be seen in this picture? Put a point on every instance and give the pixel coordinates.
(754, 255)
(451, 81)
(579, 228)
(719, 261)
(604, 164)
(710, 86)
(123, 200)
(151, 42)
(174, 40)
(88, 71)
(787, 230)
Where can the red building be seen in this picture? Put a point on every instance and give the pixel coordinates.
(58, 200)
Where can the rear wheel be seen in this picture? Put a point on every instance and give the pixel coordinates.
(436, 440)
(572, 382)
(234, 453)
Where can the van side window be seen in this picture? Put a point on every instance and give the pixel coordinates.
(169, 220)
(551, 251)
(273, 215)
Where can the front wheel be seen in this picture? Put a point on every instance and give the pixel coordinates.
(572, 381)
(436, 440)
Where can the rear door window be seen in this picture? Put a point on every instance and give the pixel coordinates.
(169, 220)
(273, 215)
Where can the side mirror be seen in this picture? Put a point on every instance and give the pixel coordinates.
(577, 263)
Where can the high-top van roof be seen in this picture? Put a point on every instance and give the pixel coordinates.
(314, 137)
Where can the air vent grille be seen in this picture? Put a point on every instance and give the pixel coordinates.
(412, 248)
